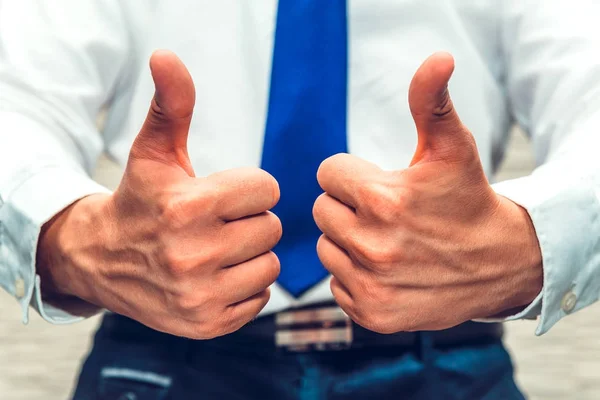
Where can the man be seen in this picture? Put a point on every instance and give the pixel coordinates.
(185, 252)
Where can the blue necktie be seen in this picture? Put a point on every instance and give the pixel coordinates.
(306, 123)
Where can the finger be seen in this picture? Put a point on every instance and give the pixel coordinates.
(249, 237)
(342, 297)
(245, 311)
(440, 130)
(244, 280)
(337, 261)
(244, 192)
(164, 133)
(342, 175)
(335, 219)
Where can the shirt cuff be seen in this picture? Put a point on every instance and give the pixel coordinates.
(564, 213)
(33, 201)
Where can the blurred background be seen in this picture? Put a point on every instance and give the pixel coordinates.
(41, 361)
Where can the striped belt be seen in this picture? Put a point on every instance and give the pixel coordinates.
(325, 327)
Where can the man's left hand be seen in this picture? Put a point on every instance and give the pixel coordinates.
(430, 246)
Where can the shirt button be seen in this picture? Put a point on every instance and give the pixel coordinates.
(19, 288)
(568, 302)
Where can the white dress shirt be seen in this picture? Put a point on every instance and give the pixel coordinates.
(536, 62)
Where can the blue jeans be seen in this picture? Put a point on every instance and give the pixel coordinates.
(132, 362)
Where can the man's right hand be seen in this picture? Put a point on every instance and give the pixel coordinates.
(183, 255)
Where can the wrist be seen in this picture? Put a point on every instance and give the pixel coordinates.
(522, 258)
(61, 247)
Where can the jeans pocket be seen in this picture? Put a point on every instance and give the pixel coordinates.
(131, 384)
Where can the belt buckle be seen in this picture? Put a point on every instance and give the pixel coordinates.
(319, 329)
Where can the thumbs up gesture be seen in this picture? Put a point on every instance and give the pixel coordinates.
(430, 246)
(184, 255)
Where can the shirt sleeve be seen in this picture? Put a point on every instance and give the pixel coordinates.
(60, 62)
(552, 53)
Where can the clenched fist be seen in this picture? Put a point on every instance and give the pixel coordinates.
(430, 246)
(184, 255)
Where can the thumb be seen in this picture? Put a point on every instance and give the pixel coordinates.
(165, 131)
(441, 134)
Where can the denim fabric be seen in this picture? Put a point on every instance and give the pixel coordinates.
(132, 362)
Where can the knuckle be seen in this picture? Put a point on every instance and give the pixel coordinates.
(383, 200)
(172, 212)
(379, 252)
(443, 106)
(180, 265)
(391, 208)
(157, 113)
(176, 264)
(186, 303)
(180, 205)
(189, 302)
(369, 191)
(211, 256)
(208, 198)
